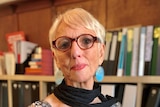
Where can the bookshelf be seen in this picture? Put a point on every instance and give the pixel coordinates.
(42, 80)
(117, 14)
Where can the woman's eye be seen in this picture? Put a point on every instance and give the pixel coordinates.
(86, 41)
(63, 45)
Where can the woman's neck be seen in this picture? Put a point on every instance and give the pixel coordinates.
(88, 85)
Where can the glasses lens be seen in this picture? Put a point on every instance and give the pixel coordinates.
(63, 43)
(85, 41)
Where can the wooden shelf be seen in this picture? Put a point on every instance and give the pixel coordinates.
(42, 80)
(129, 79)
(107, 79)
(27, 78)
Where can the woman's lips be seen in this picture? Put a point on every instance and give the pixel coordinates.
(78, 67)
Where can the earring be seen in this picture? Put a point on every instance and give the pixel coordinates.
(99, 74)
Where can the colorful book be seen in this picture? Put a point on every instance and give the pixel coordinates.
(158, 59)
(129, 51)
(155, 50)
(120, 70)
(13, 37)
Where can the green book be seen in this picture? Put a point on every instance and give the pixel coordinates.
(129, 51)
(155, 50)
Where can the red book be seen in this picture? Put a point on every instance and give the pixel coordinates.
(13, 37)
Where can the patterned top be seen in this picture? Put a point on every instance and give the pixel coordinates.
(45, 104)
(40, 104)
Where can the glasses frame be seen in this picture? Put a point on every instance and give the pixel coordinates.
(95, 39)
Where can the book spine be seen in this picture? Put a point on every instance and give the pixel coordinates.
(155, 50)
(134, 66)
(148, 49)
(122, 53)
(129, 51)
(141, 51)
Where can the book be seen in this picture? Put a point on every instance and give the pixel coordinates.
(129, 97)
(142, 51)
(5, 94)
(13, 37)
(43, 65)
(2, 64)
(120, 70)
(111, 63)
(34, 91)
(119, 92)
(129, 51)
(135, 52)
(158, 59)
(108, 89)
(107, 52)
(154, 97)
(148, 49)
(15, 92)
(27, 94)
(156, 36)
(50, 87)
(26, 48)
(10, 64)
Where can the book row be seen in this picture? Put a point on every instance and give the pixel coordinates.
(133, 51)
(127, 94)
(23, 93)
(25, 57)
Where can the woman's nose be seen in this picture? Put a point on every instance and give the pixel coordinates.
(76, 51)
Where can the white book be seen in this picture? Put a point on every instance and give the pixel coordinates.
(135, 52)
(26, 48)
(107, 46)
(148, 43)
(2, 65)
(113, 47)
(129, 96)
(10, 63)
(142, 51)
(108, 89)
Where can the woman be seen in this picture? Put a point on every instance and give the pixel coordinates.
(77, 42)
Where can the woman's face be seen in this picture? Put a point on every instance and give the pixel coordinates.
(76, 64)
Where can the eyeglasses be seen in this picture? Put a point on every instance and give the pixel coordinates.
(84, 41)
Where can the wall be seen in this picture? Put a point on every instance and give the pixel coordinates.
(35, 17)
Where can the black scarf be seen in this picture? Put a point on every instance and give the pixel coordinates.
(76, 97)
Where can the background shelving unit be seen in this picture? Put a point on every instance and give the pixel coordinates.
(23, 15)
(139, 81)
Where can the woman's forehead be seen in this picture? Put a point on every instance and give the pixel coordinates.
(71, 30)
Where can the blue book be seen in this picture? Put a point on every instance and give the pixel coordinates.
(121, 59)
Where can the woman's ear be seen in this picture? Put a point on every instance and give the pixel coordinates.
(102, 53)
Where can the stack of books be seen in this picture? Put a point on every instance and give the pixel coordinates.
(41, 62)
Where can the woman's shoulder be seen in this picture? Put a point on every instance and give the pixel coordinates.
(50, 101)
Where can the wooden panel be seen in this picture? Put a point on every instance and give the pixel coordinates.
(7, 24)
(132, 12)
(36, 25)
(95, 7)
(30, 5)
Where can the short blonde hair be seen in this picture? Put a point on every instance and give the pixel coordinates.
(78, 17)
